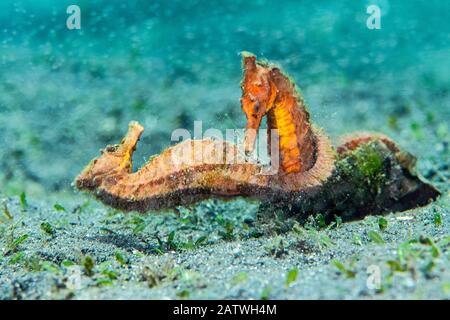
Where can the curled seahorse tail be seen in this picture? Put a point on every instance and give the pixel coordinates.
(311, 180)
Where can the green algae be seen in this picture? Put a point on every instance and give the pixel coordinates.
(372, 178)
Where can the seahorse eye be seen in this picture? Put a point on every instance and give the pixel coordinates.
(256, 107)
(112, 148)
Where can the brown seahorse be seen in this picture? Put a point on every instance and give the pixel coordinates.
(309, 166)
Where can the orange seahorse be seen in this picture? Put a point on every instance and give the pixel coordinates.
(307, 159)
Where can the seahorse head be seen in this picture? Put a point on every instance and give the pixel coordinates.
(258, 96)
(114, 161)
